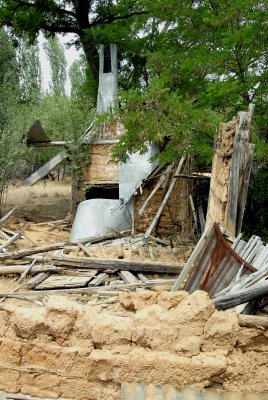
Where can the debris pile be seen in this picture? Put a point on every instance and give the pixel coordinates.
(232, 275)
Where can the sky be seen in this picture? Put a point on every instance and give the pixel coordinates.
(71, 55)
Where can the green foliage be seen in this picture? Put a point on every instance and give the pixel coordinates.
(12, 148)
(29, 71)
(58, 65)
(256, 213)
(175, 122)
(83, 85)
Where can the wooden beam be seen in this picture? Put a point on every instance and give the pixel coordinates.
(162, 179)
(186, 269)
(90, 290)
(13, 239)
(191, 176)
(20, 269)
(242, 296)
(165, 200)
(46, 168)
(253, 321)
(116, 264)
(49, 144)
(5, 217)
(34, 250)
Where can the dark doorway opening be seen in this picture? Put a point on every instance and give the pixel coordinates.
(102, 192)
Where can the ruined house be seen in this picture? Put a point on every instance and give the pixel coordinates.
(110, 195)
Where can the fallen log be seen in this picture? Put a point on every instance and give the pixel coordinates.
(253, 321)
(242, 296)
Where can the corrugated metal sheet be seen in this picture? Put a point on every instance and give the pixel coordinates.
(140, 391)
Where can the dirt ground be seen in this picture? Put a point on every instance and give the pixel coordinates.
(38, 205)
(45, 201)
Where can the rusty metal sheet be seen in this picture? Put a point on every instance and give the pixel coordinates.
(141, 391)
(217, 265)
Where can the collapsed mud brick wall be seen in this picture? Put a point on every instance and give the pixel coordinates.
(220, 175)
(177, 214)
(79, 352)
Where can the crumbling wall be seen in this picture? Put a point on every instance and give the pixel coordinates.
(176, 216)
(102, 169)
(219, 184)
(79, 352)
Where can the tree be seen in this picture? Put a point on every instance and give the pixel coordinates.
(58, 65)
(80, 17)
(29, 71)
(205, 57)
(12, 148)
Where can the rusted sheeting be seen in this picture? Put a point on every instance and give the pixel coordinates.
(216, 266)
(141, 391)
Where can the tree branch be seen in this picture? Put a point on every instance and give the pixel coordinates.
(111, 18)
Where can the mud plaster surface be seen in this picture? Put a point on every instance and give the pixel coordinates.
(67, 350)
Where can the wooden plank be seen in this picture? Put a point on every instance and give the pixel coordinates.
(34, 250)
(261, 258)
(249, 249)
(246, 171)
(242, 296)
(116, 264)
(55, 143)
(20, 269)
(120, 252)
(201, 216)
(142, 277)
(179, 281)
(101, 238)
(253, 321)
(11, 240)
(191, 176)
(5, 217)
(99, 279)
(46, 168)
(151, 252)
(128, 277)
(193, 209)
(36, 280)
(90, 290)
(56, 282)
(3, 235)
(162, 179)
(165, 200)
(231, 208)
(27, 271)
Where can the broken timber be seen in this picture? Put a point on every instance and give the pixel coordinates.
(114, 264)
(164, 202)
(90, 290)
(46, 168)
(35, 250)
(230, 175)
(242, 296)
